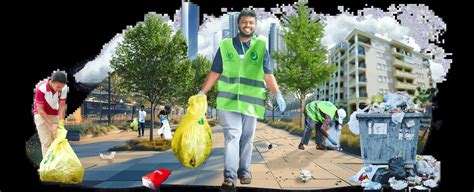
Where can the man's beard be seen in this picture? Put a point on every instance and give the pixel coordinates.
(242, 34)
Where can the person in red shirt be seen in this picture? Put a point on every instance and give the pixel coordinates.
(49, 107)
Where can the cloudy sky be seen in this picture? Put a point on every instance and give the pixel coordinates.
(96, 71)
(337, 28)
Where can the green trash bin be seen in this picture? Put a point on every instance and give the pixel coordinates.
(381, 139)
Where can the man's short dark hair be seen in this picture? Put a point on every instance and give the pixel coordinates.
(246, 12)
(59, 76)
(143, 106)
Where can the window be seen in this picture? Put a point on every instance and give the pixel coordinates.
(379, 55)
(379, 66)
(384, 79)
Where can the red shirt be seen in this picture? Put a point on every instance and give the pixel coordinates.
(49, 98)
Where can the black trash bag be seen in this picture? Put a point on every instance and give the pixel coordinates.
(382, 176)
(396, 168)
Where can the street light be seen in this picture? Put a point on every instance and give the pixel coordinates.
(121, 107)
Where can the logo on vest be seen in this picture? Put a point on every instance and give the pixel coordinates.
(254, 56)
(229, 55)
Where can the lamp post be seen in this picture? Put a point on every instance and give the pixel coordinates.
(121, 105)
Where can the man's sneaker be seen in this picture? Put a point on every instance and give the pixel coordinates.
(228, 186)
(245, 179)
(301, 146)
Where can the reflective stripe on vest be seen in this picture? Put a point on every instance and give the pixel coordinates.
(313, 112)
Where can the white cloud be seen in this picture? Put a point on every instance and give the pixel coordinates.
(263, 26)
(206, 33)
(437, 72)
(96, 70)
(339, 27)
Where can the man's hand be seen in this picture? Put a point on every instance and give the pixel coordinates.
(280, 101)
(54, 130)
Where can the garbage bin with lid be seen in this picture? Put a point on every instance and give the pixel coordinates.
(381, 139)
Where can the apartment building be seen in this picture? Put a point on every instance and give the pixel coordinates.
(368, 65)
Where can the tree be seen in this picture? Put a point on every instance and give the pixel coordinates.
(117, 92)
(200, 68)
(424, 95)
(151, 61)
(271, 103)
(302, 66)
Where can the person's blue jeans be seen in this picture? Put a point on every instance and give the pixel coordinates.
(309, 125)
(238, 138)
(141, 128)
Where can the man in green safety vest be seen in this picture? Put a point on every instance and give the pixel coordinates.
(242, 70)
(320, 114)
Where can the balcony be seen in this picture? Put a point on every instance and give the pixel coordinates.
(405, 86)
(362, 97)
(397, 53)
(400, 63)
(341, 46)
(404, 74)
(352, 68)
(361, 50)
(366, 44)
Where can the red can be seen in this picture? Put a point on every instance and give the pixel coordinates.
(155, 178)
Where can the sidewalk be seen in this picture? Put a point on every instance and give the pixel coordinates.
(277, 168)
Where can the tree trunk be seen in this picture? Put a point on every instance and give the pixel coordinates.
(152, 121)
(100, 106)
(108, 120)
(273, 114)
(302, 101)
(115, 112)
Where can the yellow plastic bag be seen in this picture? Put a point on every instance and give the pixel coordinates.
(192, 141)
(61, 164)
(134, 124)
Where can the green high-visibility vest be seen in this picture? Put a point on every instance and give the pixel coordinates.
(241, 85)
(314, 109)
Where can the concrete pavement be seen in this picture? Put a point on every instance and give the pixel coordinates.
(276, 168)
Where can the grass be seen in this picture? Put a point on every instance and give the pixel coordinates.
(349, 141)
(144, 145)
(421, 143)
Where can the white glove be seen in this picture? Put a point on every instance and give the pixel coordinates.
(280, 101)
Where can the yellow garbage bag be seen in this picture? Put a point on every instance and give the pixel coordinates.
(192, 141)
(134, 124)
(61, 164)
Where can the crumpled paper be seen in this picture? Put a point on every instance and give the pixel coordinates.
(305, 175)
(108, 157)
(397, 184)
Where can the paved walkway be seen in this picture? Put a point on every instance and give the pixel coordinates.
(277, 168)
